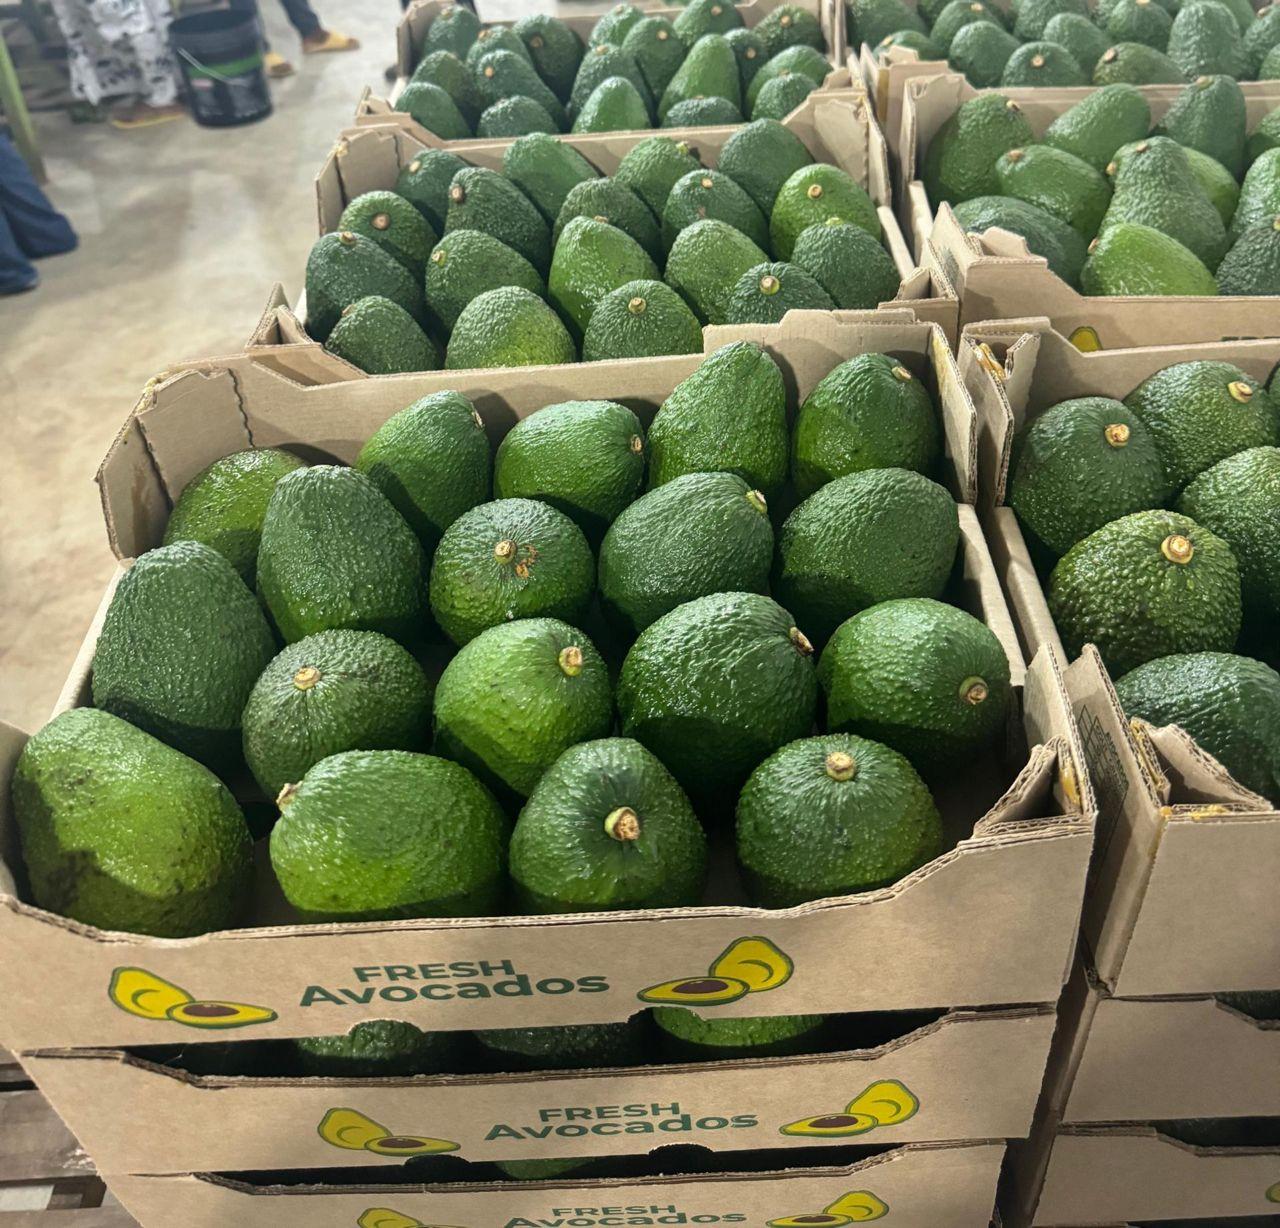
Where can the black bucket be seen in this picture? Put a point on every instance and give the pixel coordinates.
(220, 54)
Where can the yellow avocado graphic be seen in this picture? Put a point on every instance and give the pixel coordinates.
(1273, 1194)
(1086, 339)
(747, 965)
(383, 1217)
(148, 996)
(860, 1206)
(820, 1219)
(885, 1103)
(831, 1125)
(354, 1131)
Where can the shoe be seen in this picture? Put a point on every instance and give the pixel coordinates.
(277, 66)
(329, 40)
(21, 287)
(144, 115)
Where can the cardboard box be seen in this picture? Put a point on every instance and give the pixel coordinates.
(177, 1121)
(1177, 834)
(997, 278)
(1017, 873)
(837, 128)
(914, 1186)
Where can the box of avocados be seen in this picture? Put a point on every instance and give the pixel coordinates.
(916, 1185)
(832, 129)
(1179, 834)
(997, 276)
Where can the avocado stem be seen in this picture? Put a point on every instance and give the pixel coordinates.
(801, 641)
(769, 284)
(306, 677)
(623, 824)
(1117, 434)
(841, 765)
(814, 191)
(901, 373)
(636, 444)
(286, 795)
(1177, 549)
(757, 500)
(636, 306)
(505, 550)
(380, 221)
(571, 661)
(1240, 391)
(974, 691)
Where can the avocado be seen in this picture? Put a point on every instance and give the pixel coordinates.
(173, 600)
(831, 816)
(447, 70)
(1101, 123)
(1202, 412)
(1031, 16)
(1259, 194)
(760, 158)
(330, 692)
(481, 199)
(614, 24)
(1229, 704)
(381, 338)
(1252, 266)
(1042, 64)
(514, 116)
(702, 113)
(615, 105)
(591, 259)
(709, 194)
(960, 162)
(702, 17)
(1057, 182)
(584, 458)
(802, 61)
(1238, 499)
(686, 1036)
(702, 533)
(122, 832)
(848, 264)
(955, 16)
(1205, 40)
(749, 47)
(790, 25)
(607, 827)
(781, 95)
(1209, 115)
(728, 416)
(1244, 13)
(764, 294)
(869, 412)
(868, 21)
(353, 1131)
(513, 558)
(386, 834)
(816, 194)
(432, 461)
(1260, 37)
(944, 702)
(430, 106)
(602, 61)
(1265, 136)
(554, 48)
(705, 263)
(1139, 21)
(546, 171)
(1057, 241)
(1086, 43)
(657, 50)
(1079, 465)
(607, 200)
(496, 38)
(980, 50)
(1129, 259)
(336, 553)
(1136, 64)
(683, 691)
(651, 168)
(1216, 181)
(343, 268)
(517, 696)
(425, 181)
(508, 327)
(924, 47)
(223, 506)
(641, 319)
(582, 1046)
(454, 29)
(504, 74)
(466, 264)
(1144, 586)
(861, 539)
(710, 70)
(378, 1048)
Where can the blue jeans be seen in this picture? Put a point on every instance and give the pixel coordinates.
(30, 227)
(302, 16)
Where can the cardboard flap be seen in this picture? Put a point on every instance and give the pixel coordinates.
(1194, 774)
(12, 740)
(1047, 713)
(1021, 583)
(926, 104)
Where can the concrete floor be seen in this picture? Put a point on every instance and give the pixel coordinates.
(183, 231)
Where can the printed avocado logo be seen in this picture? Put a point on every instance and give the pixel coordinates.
(1273, 1194)
(384, 1217)
(148, 996)
(353, 1131)
(1086, 339)
(856, 1207)
(886, 1103)
(749, 965)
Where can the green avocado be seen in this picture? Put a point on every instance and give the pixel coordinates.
(546, 171)
(657, 50)
(1216, 181)
(1259, 194)
(955, 16)
(379, 1049)
(641, 319)
(1136, 64)
(1046, 235)
(797, 61)
(815, 194)
(430, 106)
(705, 263)
(1209, 115)
(702, 113)
(1252, 266)
(180, 648)
(508, 327)
(1057, 182)
(781, 95)
(1031, 16)
(554, 48)
(701, 17)
(760, 158)
(591, 259)
(1261, 36)
(710, 194)
(1265, 136)
(710, 70)
(505, 74)
(602, 61)
(607, 200)
(615, 105)
(582, 1046)
(851, 266)
(651, 168)
(1084, 40)
(330, 692)
(447, 70)
(981, 49)
(686, 1036)
(394, 225)
(514, 116)
(749, 47)
(345, 267)
(1129, 259)
(1042, 65)
(381, 338)
(614, 24)
(1205, 40)
(1139, 21)
(924, 47)
(764, 294)
(122, 832)
(454, 29)
(607, 827)
(788, 26)
(386, 834)
(481, 199)
(425, 181)
(496, 38)
(832, 816)
(1100, 124)
(467, 263)
(868, 21)
(960, 163)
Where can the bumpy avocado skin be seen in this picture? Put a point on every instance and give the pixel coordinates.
(556, 50)
(849, 264)
(386, 834)
(466, 264)
(482, 199)
(1130, 259)
(618, 205)
(379, 1048)
(1209, 115)
(761, 157)
(181, 647)
(815, 194)
(1048, 236)
(592, 258)
(687, 1036)
(961, 159)
(705, 263)
(1059, 183)
(381, 338)
(546, 171)
(508, 327)
(394, 225)
(573, 1047)
(764, 294)
(1099, 124)
(424, 183)
(707, 193)
(345, 267)
(641, 319)
(120, 831)
(651, 168)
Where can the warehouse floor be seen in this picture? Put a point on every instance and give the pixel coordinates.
(183, 231)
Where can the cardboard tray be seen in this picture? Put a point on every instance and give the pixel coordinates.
(1020, 871)
(1177, 834)
(997, 278)
(837, 128)
(914, 1186)
(969, 1074)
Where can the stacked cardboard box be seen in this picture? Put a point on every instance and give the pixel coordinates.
(944, 982)
(1163, 1095)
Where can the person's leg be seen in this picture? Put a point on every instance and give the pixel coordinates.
(33, 225)
(17, 273)
(315, 37)
(275, 64)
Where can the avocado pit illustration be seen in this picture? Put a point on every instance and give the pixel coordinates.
(832, 1125)
(747, 965)
(821, 1220)
(855, 1207)
(353, 1131)
(142, 993)
(697, 991)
